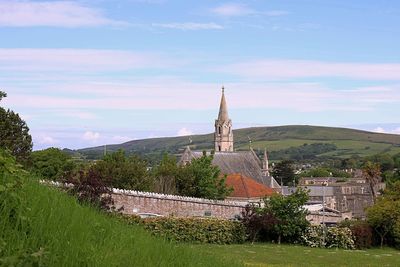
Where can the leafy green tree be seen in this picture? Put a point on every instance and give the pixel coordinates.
(283, 172)
(317, 172)
(200, 178)
(124, 172)
(51, 163)
(372, 173)
(289, 213)
(165, 175)
(384, 215)
(14, 134)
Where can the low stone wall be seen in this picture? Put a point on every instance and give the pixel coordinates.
(169, 205)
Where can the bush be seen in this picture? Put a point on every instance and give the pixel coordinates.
(362, 233)
(335, 237)
(196, 230)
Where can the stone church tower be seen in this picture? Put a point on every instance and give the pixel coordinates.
(223, 136)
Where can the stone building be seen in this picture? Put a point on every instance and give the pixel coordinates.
(351, 195)
(230, 162)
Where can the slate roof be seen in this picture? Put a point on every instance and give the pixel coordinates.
(242, 162)
(245, 187)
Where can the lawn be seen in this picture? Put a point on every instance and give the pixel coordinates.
(291, 255)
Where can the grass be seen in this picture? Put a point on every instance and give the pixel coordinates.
(345, 148)
(58, 231)
(290, 255)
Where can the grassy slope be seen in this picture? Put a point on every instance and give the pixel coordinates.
(290, 255)
(67, 234)
(349, 141)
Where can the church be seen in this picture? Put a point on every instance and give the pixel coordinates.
(246, 172)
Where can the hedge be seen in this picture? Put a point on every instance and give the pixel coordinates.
(196, 230)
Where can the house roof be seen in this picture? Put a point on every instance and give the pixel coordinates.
(245, 187)
(242, 162)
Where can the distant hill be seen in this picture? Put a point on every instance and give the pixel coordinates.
(293, 141)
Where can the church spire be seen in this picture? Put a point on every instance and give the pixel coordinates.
(223, 109)
(223, 136)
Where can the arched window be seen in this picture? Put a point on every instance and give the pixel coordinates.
(219, 129)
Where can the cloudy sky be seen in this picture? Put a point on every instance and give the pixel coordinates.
(84, 73)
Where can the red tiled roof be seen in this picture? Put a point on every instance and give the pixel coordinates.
(245, 187)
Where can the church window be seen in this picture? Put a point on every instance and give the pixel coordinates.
(219, 130)
(219, 148)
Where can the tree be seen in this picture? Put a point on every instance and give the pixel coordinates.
(14, 133)
(90, 187)
(283, 171)
(125, 172)
(200, 178)
(51, 163)
(256, 221)
(165, 175)
(372, 173)
(384, 215)
(289, 213)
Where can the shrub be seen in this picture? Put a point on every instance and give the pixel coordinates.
(335, 237)
(313, 237)
(196, 230)
(362, 233)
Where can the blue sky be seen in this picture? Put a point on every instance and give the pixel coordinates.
(85, 73)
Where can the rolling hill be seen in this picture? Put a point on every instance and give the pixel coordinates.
(290, 141)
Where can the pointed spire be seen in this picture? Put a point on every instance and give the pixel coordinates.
(223, 109)
(266, 163)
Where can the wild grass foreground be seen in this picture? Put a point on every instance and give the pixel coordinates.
(41, 226)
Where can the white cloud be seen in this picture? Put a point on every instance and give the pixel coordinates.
(232, 9)
(238, 10)
(51, 13)
(161, 94)
(91, 136)
(46, 140)
(379, 130)
(184, 131)
(287, 69)
(78, 60)
(187, 26)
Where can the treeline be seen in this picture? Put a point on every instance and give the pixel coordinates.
(199, 178)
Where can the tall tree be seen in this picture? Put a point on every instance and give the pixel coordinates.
(165, 175)
(283, 172)
(124, 172)
(14, 133)
(289, 213)
(384, 215)
(51, 163)
(201, 179)
(372, 173)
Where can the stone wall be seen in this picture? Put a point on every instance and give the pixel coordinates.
(169, 205)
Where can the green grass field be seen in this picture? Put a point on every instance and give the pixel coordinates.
(345, 148)
(290, 255)
(60, 232)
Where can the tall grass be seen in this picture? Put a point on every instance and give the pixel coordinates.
(54, 230)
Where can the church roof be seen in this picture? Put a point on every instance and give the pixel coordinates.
(245, 187)
(240, 162)
(223, 109)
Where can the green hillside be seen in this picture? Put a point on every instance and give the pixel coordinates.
(280, 141)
